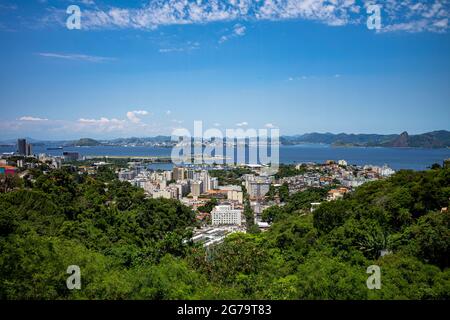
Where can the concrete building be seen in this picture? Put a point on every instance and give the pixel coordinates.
(226, 215)
(57, 163)
(161, 194)
(71, 156)
(190, 174)
(342, 163)
(196, 188)
(206, 180)
(336, 194)
(257, 190)
(167, 193)
(178, 173)
(22, 147)
(385, 171)
(235, 196)
(29, 150)
(214, 183)
(126, 175)
(183, 188)
(168, 175)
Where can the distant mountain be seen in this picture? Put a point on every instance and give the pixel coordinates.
(435, 139)
(141, 141)
(86, 142)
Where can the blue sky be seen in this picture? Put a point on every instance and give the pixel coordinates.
(143, 68)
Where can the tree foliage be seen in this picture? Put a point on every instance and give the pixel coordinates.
(131, 247)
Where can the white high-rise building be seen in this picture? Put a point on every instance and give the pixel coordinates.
(168, 175)
(196, 188)
(214, 183)
(206, 180)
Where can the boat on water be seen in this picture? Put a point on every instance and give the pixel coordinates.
(54, 148)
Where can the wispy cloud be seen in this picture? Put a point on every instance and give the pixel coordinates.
(408, 15)
(415, 16)
(100, 125)
(30, 118)
(242, 124)
(189, 46)
(75, 57)
(238, 31)
(314, 77)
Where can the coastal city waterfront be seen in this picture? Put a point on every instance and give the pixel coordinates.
(396, 158)
(225, 198)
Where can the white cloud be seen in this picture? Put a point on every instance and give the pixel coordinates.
(168, 112)
(141, 112)
(100, 125)
(312, 77)
(238, 31)
(415, 16)
(269, 125)
(88, 2)
(75, 57)
(441, 23)
(29, 118)
(133, 115)
(93, 127)
(405, 15)
(242, 124)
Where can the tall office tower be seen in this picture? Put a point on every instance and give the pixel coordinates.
(29, 149)
(22, 146)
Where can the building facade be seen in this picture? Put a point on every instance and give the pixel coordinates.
(226, 215)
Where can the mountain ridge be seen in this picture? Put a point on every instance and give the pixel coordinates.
(430, 140)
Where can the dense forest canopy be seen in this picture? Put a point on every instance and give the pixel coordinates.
(130, 247)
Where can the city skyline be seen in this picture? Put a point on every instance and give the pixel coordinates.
(135, 69)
